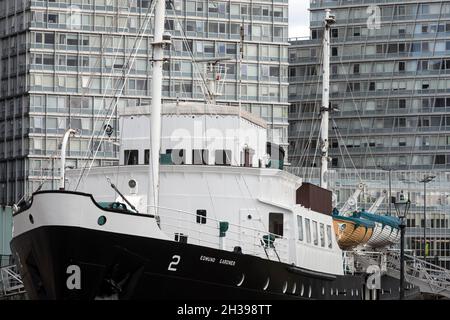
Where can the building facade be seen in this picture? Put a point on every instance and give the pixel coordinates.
(390, 80)
(71, 63)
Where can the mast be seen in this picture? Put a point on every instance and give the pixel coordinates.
(325, 110)
(155, 119)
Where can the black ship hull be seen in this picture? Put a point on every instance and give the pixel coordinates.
(58, 262)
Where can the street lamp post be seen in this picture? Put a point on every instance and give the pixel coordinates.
(402, 208)
(425, 180)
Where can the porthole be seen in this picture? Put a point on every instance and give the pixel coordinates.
(101, 220)
(310, 292)
(294, 288)
(266, 285)
(31, 218)
(132, 183)
(242, 280)
(285, 286)
(303, 290)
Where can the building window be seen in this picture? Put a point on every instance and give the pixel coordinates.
(440, 103)
(334, 51)
(201, 216)
(200, 156)
(300, 228)
(131, 157)
(440, 159)
(276, 223)
(335, 33)
(335, 162)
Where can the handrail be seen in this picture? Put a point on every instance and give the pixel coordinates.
(209, 234)
(10, 282)
(427, 276)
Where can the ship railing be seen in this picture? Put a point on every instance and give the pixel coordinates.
(10, 281)
(354, 263)
(206, 231)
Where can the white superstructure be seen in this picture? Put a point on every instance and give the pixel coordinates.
(230, 180)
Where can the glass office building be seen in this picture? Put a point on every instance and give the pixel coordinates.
(67, 63)
(390, 80)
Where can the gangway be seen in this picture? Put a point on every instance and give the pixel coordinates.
(11, 285)
(429, 278)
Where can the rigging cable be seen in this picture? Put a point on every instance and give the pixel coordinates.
(147, 20)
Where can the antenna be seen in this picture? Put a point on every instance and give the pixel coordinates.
(325, 109)
(241, 58)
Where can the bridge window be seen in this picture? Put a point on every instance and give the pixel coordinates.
(200, 156)
(223, 157)
(178, 156)
(131, 157)
(146, 156)
(300, 228)
(201, 216)
(322, 235)
(276, 223)
(315, 234)
(329, 235)
(308, 230)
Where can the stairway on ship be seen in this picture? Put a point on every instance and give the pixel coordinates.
(433, 281)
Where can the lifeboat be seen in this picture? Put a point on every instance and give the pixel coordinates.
(353, 231)
(386, 232)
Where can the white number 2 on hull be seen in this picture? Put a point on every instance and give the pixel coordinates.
(175, 261)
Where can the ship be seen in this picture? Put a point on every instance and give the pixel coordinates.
(199, 208)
